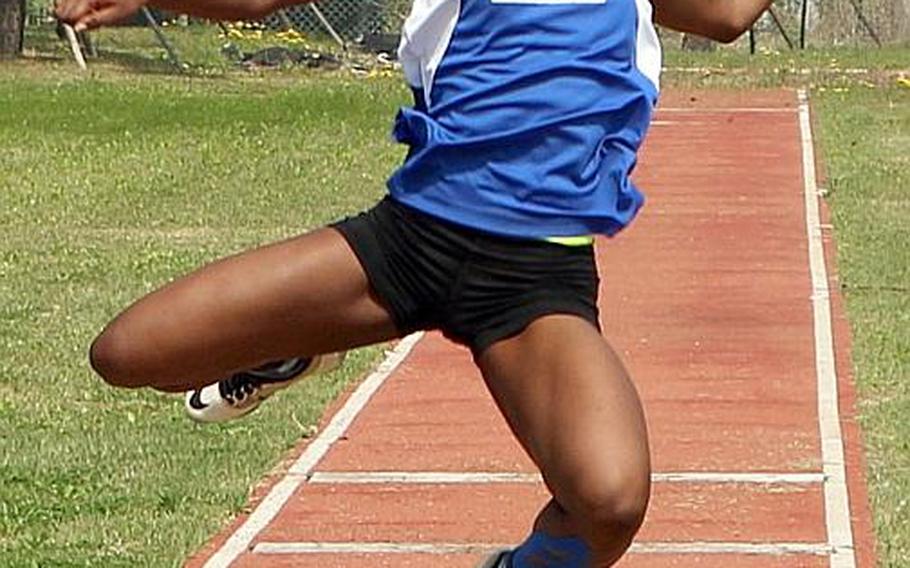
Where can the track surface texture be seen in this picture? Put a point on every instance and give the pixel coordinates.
(721, 299)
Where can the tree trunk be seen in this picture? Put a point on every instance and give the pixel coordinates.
(903, 32)
(12, 27)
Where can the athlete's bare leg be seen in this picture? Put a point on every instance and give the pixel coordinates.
(304, 296)
(571, 404)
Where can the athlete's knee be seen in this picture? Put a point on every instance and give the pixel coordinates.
(116, 357)
(613, 503)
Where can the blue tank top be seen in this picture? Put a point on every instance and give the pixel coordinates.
(528, 113)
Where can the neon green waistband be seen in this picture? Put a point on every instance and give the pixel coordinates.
(577, 241)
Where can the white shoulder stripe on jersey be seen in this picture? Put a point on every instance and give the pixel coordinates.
(647, 44)
(425, 37)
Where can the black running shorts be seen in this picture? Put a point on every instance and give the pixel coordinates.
(475, 287)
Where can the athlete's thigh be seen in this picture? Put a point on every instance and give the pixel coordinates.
(304, 296)
(571, 404)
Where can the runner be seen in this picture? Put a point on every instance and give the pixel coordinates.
(528, 115)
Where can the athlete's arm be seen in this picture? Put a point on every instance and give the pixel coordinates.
(721, 20)
(85, 14)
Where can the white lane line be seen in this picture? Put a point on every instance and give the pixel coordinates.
(740, 477)
(837, 505)
(421, 477)
(725, 110)
(240, 540)
(372, 548)
(749, 548)
(744, 548)
(454, 478)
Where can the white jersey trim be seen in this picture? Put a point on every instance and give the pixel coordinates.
(424, 40)
(647, 44)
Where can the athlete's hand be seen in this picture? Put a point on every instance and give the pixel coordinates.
(87, 14)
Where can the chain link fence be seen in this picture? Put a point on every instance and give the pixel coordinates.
(374, 25)
(826, 22)
(351, 19)
(840, 22)
(821, 23)
(817, 22)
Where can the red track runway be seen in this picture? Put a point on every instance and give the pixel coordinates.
(719, 300)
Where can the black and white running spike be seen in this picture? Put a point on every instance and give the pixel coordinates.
(243, 392)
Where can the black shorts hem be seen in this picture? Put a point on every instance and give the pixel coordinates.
(517, 324)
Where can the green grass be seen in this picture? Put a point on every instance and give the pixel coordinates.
(826, 68)
(866, 143)
(112, 186)
(114, 183)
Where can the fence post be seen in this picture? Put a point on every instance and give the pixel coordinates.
(325, 23)
(803, 23)
(153, 23)
(866, 25)
(780, 27)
